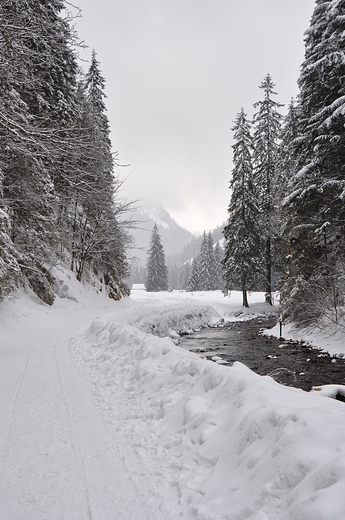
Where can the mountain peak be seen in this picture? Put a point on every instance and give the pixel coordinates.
(156, 214)
(174, 237)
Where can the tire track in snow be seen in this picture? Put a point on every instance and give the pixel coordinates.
(9, 435)
(59, 455)
(28, 398)
(79, 471)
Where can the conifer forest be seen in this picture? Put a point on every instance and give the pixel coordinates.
(285, 228)
(59, 200)
(60, 197)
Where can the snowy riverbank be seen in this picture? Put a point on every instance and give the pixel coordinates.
(101, 419)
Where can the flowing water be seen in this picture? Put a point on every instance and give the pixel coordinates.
(290, 363)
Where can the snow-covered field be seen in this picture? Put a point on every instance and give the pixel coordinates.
(104, 417)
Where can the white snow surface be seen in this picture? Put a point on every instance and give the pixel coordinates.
(324, 338)
(154, 214)
(101, 419)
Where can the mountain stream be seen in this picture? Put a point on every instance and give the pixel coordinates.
(290, 363)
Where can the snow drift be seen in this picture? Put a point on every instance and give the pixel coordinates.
(214, 442)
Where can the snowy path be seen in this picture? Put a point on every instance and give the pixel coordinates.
(101, 420)
(58, 460)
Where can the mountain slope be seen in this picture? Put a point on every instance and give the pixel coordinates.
(174, 237)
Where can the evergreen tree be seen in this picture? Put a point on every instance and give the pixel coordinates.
(174, 276)
(37, 79)
(315, 283)
(157, 272)
(206, 264)
(286, 160)
(212, 261)
(267, 121)
(286, 163)
(58, 190)
(243, 262)
(102, 162)
(193, 281)
(98, 236)
(218, 256)
(185, 273)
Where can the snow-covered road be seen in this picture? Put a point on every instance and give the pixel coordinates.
(102, 420)
(58, 459)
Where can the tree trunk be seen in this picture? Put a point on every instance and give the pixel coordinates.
(80, 269)
(244, 298)
(268, 272)
(74, 229)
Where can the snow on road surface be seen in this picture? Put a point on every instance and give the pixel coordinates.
(103, 417)
(58, 460)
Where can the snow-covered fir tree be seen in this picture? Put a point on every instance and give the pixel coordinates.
(286, 160)
(185, 272)
(99, 237)
(157, 271)
(267, 128)
(193, 281)
(37, 96)
(315, 204)
(243, 259)
(55, 154)
(178, 275)
(174, 276)
(212, 261)
(286, 163)
(218, 257)
(206, 264)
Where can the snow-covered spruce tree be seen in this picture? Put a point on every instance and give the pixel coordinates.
(99, 235)
(267, 128)
(286, 159)
(50, 153)
(212, 261)
(37, 79)
(185, 272)
(193, 281)
(243, 259)
(157, 271)
(218, 256)
(174, 276)
(102, 161)
(206, 264)
(315, 286)
(286, 163)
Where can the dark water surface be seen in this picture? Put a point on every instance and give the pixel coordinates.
(288, 362)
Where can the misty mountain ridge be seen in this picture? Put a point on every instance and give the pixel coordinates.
(174, 237)
(158, 215)
(179, 244)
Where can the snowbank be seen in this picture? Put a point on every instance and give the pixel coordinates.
(214, 442)
(327, 339)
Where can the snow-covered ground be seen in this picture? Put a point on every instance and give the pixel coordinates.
(104, 417)
(326, 339)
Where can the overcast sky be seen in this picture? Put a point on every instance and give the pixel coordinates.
(177, 73)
